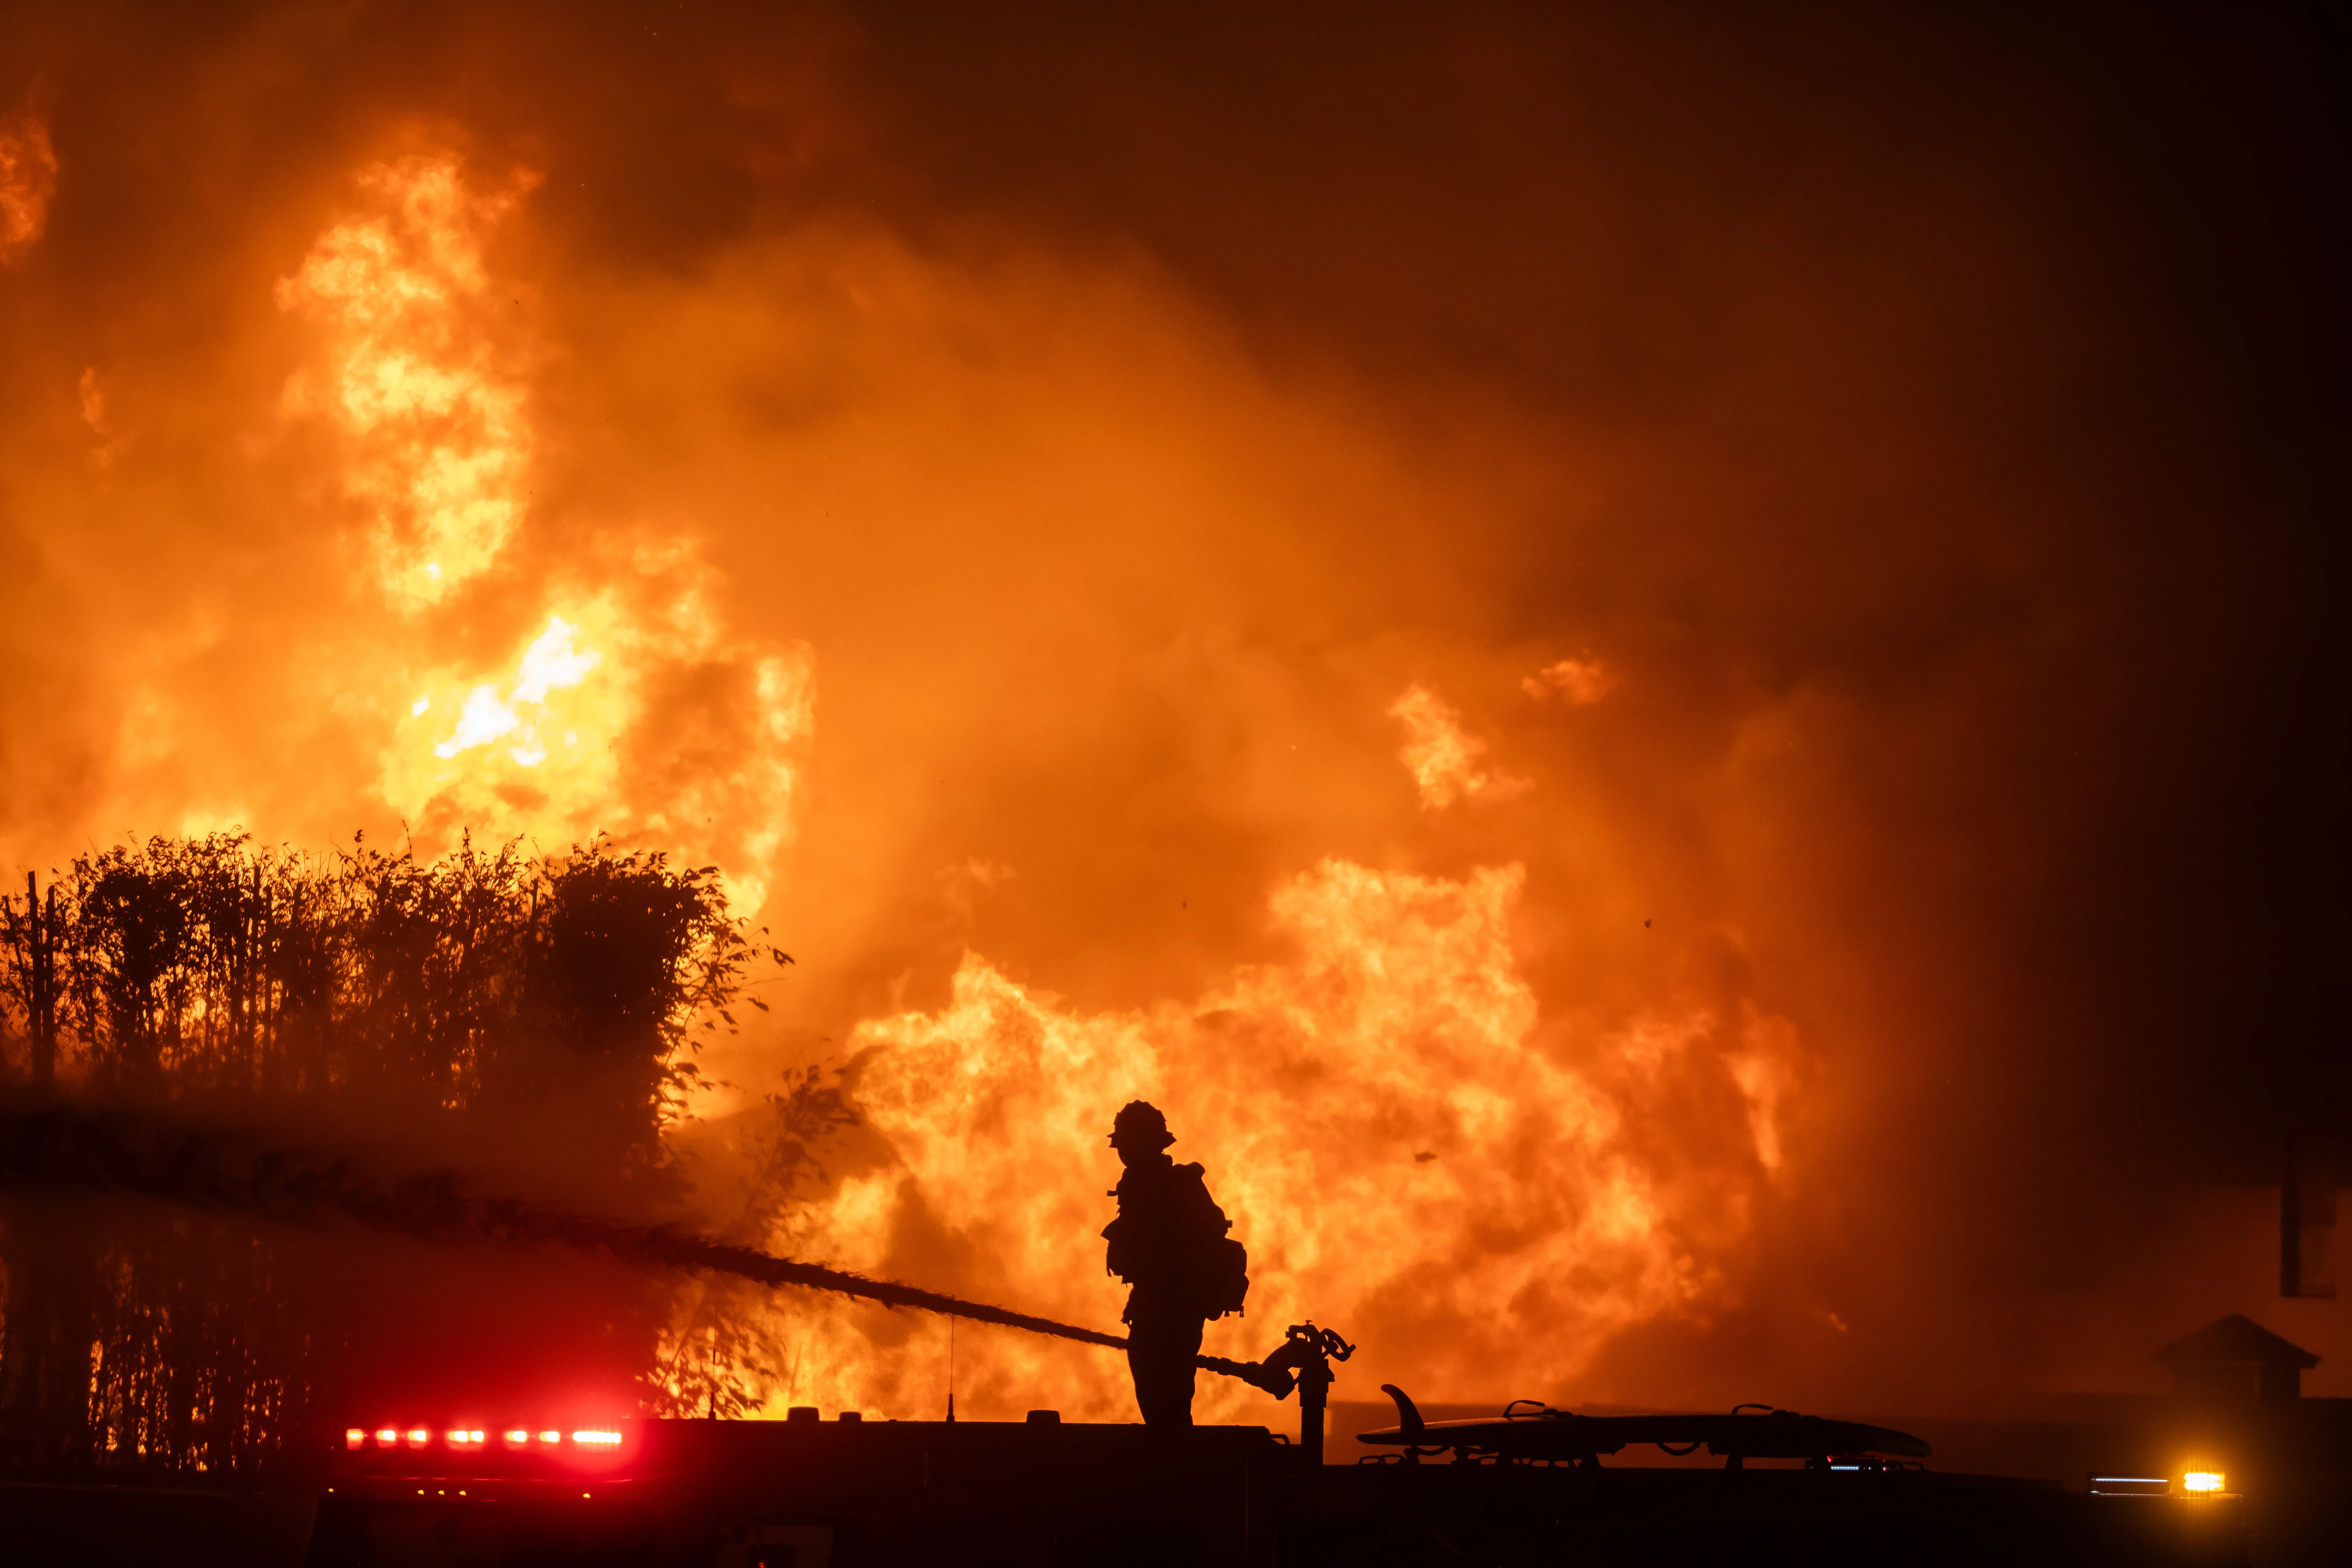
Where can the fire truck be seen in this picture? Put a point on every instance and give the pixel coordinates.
(1528, 1485)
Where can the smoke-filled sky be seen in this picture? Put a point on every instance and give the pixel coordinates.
(1724, 623)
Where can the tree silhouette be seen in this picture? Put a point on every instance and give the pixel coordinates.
(488, 1009)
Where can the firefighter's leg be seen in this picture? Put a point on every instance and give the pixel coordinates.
(1159, 1352)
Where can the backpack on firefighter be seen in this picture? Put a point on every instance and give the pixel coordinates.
(1169, 1241)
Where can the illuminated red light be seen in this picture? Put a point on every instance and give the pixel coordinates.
(597, 1439)
(355, 1437)
(387, 1436)
(463, 1437)
(418, 1438)
(551, 1437)
(518, 1435)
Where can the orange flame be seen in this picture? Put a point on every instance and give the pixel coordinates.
(580, 734)
(437, 445)
(584, 734)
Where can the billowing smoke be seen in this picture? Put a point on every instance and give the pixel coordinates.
(1669, 676)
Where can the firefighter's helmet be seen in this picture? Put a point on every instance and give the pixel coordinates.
(1138, 1122)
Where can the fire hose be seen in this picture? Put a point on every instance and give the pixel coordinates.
(50, 1147)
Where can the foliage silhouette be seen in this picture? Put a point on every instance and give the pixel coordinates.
(490, 1008)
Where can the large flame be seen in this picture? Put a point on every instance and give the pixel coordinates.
(626, 707)
(1405, 1150)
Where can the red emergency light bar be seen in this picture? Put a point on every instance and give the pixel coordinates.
(463, 1438)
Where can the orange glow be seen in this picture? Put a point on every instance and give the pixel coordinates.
(355, 1438)
(597, 1438)
(2202, 1481)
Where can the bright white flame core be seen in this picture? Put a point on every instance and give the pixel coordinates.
(550, 664)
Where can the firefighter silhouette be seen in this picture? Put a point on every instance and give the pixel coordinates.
(1169, 1243)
